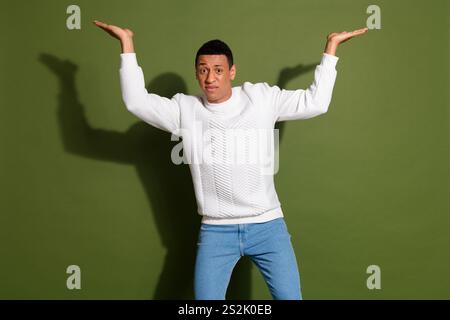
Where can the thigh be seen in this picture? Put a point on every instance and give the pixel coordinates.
(273, 254)
(217, 254)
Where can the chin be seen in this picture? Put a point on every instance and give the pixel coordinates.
(211, 97)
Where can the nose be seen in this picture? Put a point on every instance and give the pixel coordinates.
(210, 78)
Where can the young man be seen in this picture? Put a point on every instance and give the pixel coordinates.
(241, 212)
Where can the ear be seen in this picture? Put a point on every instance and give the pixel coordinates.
(196, 74)
(233, 72)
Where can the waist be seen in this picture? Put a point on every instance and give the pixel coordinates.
(263, 217)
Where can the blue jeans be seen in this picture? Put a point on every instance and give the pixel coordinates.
(267, 244)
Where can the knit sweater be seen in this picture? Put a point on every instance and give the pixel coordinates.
(230, 146)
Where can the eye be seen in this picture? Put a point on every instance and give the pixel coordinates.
(219, 71)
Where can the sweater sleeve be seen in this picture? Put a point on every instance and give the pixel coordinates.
(305, 104)
(160, 112)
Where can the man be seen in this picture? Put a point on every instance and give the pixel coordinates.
(241, 214)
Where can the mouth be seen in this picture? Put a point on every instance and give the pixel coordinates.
(211, 88)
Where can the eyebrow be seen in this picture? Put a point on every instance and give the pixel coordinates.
(205, 64)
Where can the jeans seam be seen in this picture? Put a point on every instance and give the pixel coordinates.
(241, 244)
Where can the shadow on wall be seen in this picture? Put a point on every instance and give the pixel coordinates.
(168, 187)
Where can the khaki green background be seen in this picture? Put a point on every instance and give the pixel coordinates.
(84, 182)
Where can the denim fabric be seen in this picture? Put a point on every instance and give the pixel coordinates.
(267, 244)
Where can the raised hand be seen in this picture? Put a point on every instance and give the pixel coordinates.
(124, 35)
(334, 39)
(344, 36)
(115, 31)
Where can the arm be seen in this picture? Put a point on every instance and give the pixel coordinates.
(309, 103)
(160, 112)
(305, 104)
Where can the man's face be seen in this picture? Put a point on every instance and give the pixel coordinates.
(214, 77)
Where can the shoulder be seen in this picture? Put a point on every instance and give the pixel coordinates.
(186, 100)
(259, 88)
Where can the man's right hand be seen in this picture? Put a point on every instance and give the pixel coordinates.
(124, 35)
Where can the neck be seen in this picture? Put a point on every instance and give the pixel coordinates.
(223, 99)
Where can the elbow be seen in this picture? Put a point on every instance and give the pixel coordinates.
(315, 105)
(130, 107)
(134, 101)
(317, 110)
(324, 109)
(322, 106)
(130, 104)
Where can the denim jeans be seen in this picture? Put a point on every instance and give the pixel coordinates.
(267, 244)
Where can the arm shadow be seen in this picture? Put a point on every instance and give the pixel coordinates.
(168, 187)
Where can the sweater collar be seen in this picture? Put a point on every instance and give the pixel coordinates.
(228, 107)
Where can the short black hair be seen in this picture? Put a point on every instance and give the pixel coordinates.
(215, 47)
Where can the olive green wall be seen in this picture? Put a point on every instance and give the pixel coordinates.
(83, 182)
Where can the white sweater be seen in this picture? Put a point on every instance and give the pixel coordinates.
(228, 144)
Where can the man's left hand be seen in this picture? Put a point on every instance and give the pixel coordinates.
(336, 38)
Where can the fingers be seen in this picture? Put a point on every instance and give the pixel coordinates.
(100, 24)
(360, 31)
(356, 33)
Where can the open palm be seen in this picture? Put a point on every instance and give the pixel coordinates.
(340, 37)
(115, 31)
